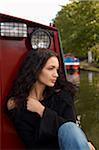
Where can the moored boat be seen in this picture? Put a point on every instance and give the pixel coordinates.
(72, 63)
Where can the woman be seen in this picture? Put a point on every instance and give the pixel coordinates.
(42, 107)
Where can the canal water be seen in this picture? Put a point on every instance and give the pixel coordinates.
(87, 103)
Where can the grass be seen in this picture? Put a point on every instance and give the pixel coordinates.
(84, 65)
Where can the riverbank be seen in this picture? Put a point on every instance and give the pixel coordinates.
(84, 65)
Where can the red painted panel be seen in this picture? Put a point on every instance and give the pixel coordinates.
(11, 56)
(12, 52)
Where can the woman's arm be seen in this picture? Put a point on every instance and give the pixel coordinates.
(51, 119)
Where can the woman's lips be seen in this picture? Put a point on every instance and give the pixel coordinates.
(53, 81)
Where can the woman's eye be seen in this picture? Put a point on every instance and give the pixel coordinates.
(50, 68)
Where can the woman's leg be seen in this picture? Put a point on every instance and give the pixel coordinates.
(71, 137)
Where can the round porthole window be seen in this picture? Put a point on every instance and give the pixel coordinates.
(40, 39)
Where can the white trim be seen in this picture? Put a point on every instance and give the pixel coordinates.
(72, 63)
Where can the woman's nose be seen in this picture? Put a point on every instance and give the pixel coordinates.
(56, 73)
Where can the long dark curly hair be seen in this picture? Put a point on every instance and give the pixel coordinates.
(28, 75)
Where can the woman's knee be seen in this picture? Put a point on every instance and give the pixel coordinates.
(70, 134)
(66, 128)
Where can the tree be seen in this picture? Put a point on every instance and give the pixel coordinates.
(78, 25)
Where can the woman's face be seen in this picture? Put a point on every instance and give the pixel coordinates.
(49, 73)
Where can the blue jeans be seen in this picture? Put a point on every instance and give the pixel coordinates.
(71, 137)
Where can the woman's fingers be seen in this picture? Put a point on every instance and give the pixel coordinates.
(11, 104)
(91, 146)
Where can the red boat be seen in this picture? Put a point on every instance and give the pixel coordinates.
(72, 63)
(17, 36)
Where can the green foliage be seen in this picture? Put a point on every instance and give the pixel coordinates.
(78, 24)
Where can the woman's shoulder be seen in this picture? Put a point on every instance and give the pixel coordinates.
(20, 116)
(64, 95)
(63, 92)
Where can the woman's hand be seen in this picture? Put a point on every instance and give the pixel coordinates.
(11, 104)
(35, 106)
(91, 146)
